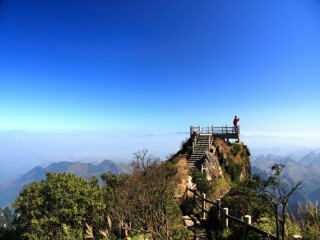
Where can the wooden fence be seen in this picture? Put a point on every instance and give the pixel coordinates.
(223, 216)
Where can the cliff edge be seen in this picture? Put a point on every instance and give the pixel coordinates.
(223, 165)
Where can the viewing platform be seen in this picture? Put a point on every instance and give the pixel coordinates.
(225, 133)
(202, 138)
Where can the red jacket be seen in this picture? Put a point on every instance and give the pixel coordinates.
(235, 121)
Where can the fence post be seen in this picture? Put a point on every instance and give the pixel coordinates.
(218, 210)
(199, 129)
(225, 219)
(203, 206)
(202, 168)
(247, 221)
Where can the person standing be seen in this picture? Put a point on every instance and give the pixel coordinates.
(235, 123)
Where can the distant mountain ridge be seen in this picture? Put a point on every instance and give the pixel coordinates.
(305, 169)
(9, 189)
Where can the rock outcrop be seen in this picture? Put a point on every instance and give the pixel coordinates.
(223, 164)
(212, 167)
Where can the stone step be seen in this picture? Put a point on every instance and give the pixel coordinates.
(200, 148)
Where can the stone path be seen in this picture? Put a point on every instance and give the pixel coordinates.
(200, 233)
(201, 147)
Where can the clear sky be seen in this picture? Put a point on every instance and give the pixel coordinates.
(159, 65)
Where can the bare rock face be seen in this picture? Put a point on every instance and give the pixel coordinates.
(222, 156)
(212, 167)
(246, 171)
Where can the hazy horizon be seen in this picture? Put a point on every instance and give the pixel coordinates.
(23, 150)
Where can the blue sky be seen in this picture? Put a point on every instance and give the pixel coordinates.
(159, 65)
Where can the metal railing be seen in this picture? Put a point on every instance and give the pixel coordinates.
(214, 130)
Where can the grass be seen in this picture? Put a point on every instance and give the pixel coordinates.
(220, 187)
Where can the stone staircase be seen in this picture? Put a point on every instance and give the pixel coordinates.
(200, 232)
(201, 146)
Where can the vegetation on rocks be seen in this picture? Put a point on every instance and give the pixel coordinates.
(198, 178)
(65, 206)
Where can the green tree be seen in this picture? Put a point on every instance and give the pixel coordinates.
(112, 182)
(277, 191)
(61, 200)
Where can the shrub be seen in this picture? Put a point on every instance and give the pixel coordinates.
(60, 199)
(234, 170)
(236, 148)
(187, 207)
(309, 221)
(200, 179)
(247, 150)
(225, 234)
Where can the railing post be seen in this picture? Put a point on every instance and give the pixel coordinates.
(218, 210)
(203, 206)
(199, 129)
(247, 221)
(191, 131)
(225, 219)
(194, 196)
